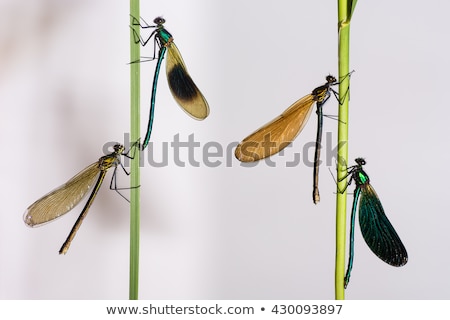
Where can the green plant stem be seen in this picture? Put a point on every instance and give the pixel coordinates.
(342, 156)
(135, 169)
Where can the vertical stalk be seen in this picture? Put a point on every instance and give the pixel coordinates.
(135, 169)
(345, 10)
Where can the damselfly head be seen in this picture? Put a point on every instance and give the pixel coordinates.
(330, 79)
(118, 148)
(159, 21)
(360, 161)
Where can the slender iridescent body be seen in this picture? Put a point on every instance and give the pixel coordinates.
(281, 131)
(376, 229)
(64, 198)
(181, 85)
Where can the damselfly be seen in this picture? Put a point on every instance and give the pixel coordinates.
(64, 198)
(281, 131)
(181, 85)
(376, 229)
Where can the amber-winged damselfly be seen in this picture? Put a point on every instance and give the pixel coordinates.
(64, 198)
(281, 131)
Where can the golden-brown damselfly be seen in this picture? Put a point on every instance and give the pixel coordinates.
(281, 131)
(64, 198)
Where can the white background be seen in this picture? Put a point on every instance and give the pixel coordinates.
(227, 232)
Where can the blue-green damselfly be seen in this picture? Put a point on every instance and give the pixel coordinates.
(377, 231)
(181, 85)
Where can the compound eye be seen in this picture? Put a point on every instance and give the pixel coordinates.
(330, 79)
(159, 20)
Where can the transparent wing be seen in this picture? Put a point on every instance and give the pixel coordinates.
(277, 134)
(62, 199)
(183, 88)
(377, 231)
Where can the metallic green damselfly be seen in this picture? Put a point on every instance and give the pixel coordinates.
(376, 229)
(181, 85)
